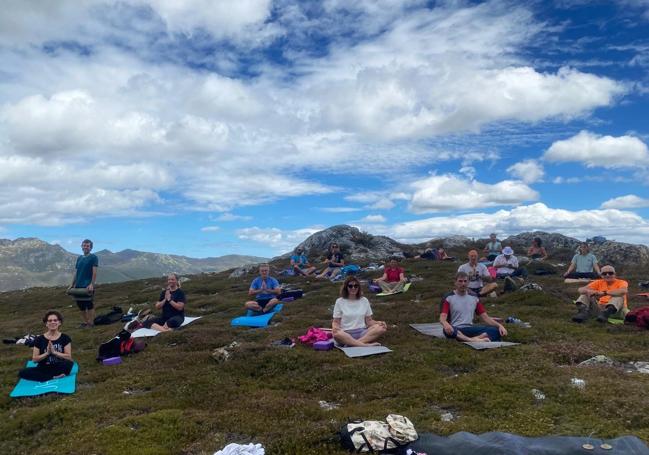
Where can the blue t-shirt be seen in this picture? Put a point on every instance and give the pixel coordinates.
(271, 283)
(84, 267)
(300, 260)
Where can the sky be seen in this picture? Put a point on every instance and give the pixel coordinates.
(206, 128)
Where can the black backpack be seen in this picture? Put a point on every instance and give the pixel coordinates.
(121, 345)
(114, 316)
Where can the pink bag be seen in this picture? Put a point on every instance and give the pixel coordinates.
(492, 272)
(315, 334)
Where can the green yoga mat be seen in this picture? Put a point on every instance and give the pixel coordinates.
(405, 289)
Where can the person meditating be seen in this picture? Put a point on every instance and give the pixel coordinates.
(352, 317)
(537, 250)
(52, 352)
(393, 278)
(583, 265)
(300, 264)
(172, 303)
(334, 262)
(493, 247)
(265, 288)
(478, 274)
(458, 309)
(604, 297)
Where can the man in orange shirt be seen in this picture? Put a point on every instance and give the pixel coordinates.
(607, 295)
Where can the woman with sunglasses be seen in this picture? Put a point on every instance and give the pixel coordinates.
(352, 319)
(52, 352)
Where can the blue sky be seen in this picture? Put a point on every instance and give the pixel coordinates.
(206, 128)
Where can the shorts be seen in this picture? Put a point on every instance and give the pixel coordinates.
(173, 322)
(356, 333)
(263, 302)
(85, 304)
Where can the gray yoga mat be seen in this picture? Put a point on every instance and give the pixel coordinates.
(436, 330)
(364, 351)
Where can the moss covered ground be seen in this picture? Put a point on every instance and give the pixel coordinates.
(173, 398)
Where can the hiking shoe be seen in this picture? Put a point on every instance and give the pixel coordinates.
(605, 314)
(582, 314)
(142, 314)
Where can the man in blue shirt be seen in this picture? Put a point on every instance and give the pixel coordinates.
(583, 265)
(300, 263)
(85, 276)
(265, 289)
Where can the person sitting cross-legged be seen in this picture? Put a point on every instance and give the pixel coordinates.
(393, 279)
(583, 265)
(537, 250)
(352, 317)
(334, 262)
(52, 352)
(478, 275)
(300, 264)
(604, 297)
(493, 247)
(458, 309)
(506, 265)
(265, 288)
(172, 303)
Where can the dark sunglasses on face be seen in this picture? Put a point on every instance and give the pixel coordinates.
(608, 273)
(352, 286)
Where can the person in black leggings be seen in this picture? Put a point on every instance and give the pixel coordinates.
(52, 352)
(172, 303)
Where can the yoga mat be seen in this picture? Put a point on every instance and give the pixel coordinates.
(261, 320)
(405, 289)
(141, 333)
(436, 330)
(66, 384)
(577, 280)
(363, 351)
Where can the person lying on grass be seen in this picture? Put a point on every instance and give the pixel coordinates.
(478, 274)
(393, 278)
(461, 306)
(265, 288)
(604, 297)
(52, 352)
(352, 318)
(300, 264)
(172, 303)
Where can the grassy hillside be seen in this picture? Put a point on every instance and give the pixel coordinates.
(173, 398)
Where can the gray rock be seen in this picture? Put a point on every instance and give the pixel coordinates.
(598, 360)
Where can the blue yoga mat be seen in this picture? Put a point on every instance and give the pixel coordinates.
(66, 384)
(260, 320)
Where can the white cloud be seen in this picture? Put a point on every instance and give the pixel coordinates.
(232, 217)
(630, 201)
(529, 171)
(448, 192)
(210, 229)
(617, 224)
(378, 200)
(373, 219)
(600, 151)
(280, 240)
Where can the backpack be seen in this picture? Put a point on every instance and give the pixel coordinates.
(639, 317)
(114, 316)
(121, 345)
(351, 269)
(373, 436)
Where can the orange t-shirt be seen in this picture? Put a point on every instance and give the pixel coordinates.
(602, 285)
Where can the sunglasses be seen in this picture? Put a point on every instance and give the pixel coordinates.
(353, 286)
(608, 273)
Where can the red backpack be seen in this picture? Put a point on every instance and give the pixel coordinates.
(639, 317)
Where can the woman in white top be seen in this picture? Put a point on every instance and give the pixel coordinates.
(352, 319)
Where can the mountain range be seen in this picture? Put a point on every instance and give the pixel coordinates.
(31, 262)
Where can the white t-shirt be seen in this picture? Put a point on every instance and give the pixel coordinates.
(352, 312)
(475, 274)
(502, 260)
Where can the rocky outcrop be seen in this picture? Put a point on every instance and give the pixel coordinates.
(355, 244)
(618, 253)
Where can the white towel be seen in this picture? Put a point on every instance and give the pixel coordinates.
(239, 449)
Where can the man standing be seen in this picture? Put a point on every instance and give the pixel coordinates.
(605, 297)
(458, 309)
(583, 265)
(393, 279)
(478, 274)
(85, 276)
(265, 288)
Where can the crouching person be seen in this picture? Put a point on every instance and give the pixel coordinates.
(352, 317)
(458, 310)
(604, 297)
